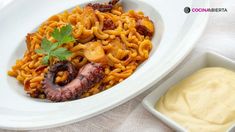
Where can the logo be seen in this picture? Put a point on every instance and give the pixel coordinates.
(200, 10)
(187, 10)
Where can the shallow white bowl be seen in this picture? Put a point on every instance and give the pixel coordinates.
(210, 59)
(176, 33)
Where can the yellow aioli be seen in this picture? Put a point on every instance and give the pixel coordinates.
(204, 101)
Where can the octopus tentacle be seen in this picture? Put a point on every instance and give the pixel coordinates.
(63, 66)
(85, 79)
(104, 7)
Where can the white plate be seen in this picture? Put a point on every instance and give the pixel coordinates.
(176, 33)
(210, 59)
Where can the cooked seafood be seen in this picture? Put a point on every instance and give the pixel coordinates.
(145, 27)
(77, 82)
(103, 7)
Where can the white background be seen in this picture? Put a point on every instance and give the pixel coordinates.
(219, 36)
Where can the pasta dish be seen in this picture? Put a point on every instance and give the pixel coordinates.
(79, 53)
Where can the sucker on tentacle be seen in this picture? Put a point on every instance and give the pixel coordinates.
(78, 81)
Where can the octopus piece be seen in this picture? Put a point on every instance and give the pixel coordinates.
(103, 7)
(108, 24)
(78, 81)
(113, 2)
(145, 27)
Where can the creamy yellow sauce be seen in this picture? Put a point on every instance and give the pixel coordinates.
(204, 101)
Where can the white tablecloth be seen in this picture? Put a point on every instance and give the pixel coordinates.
(219, 36)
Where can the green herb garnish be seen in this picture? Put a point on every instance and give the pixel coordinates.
(50, 50)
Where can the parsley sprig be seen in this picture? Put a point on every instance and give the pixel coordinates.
(50, 50)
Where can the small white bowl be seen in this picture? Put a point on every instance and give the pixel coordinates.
(209, 59)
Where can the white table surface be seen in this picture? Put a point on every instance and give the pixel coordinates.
(219, 36)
